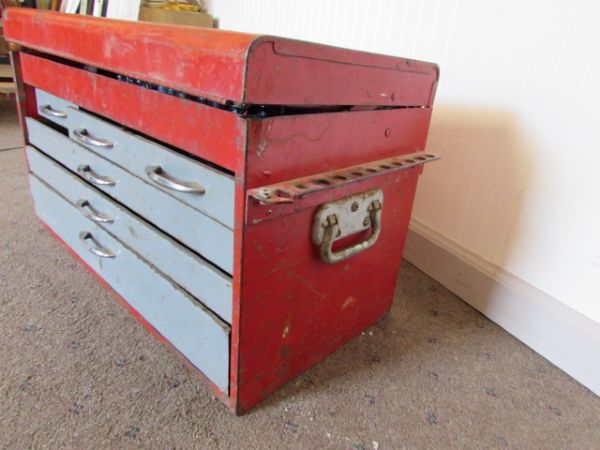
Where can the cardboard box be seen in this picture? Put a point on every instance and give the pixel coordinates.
(196, 19)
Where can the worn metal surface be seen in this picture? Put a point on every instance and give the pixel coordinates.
(289, 147)
(211, 239)
(346, 217)
(296, 309)
(289, 191)
(189, 326)
(226, 66)
(209, 133)
(290, 309)
(176, 261)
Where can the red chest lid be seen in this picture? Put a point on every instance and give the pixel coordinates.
(226, 66)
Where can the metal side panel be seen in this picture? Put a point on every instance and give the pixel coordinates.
(211, 239)
(199, 335)
(195, 275)
(54, 108)
(195, 184)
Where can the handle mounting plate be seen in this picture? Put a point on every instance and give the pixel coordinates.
(342, 218)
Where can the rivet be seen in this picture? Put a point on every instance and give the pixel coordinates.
(387, 132)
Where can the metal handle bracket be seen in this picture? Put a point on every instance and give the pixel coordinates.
(346, 217)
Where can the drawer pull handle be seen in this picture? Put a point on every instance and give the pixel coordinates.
(156, 174)
(47, 110)
(96, 249)
(83, 136)
(86, 172)
(90, 212)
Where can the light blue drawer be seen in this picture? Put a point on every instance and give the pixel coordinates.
(210, 238)
(192, 273)
(54, 108)
(190, 327)
(208, 190)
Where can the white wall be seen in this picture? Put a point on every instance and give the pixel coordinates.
(516, 120)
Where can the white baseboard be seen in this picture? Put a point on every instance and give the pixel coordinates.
(562, 335)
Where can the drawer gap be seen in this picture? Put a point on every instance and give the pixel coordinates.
(250, 111)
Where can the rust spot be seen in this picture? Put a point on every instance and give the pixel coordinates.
(284, 352)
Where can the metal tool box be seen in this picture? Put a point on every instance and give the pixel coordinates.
(246, 197)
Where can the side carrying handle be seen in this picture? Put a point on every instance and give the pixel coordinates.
(343, 218)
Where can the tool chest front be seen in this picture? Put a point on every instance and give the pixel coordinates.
(246, 197)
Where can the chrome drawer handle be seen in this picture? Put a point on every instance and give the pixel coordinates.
(96, 249)
(156, 174)
(47, 109)
(86, 172)
(83, 136)
(88, 211)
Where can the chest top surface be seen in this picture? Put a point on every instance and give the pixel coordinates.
(225, 66)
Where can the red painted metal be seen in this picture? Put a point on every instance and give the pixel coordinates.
(185, 58)
(222, 65)
(206, 132)
(284, 71)
(296, 309)
(282, 148)
(290, 309)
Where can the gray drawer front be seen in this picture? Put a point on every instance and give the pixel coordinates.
(199, 335)
(192, 273)
(54, 108)
(137, 154)
(206, 236)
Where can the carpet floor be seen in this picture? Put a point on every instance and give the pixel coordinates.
(77, 371)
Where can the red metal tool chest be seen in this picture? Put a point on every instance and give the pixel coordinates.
(247, 197)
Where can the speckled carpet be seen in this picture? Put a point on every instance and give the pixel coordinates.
(79, 372)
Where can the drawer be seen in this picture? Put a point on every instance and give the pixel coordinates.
(198, 185)
(53, 108)
(188, 270)
(211, 239)
(191, 328)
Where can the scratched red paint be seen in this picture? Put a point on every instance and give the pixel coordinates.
(290, 309)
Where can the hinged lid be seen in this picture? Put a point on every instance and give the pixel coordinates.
(225, 66)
